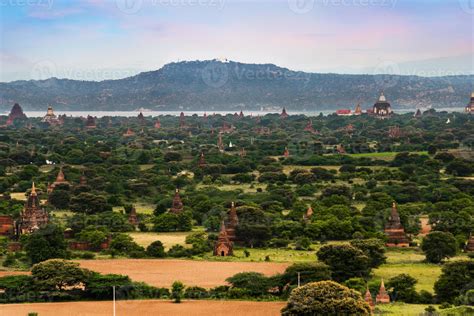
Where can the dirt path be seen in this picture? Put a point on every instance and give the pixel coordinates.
(163, 273)
(142, 308)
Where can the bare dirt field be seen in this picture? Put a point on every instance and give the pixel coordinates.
(148, 307)
(5, 273)
(163, 273)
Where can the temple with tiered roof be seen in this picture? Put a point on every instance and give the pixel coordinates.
(369, 300)
(470, 107)
(60, 179)
(50, 117)
(394, 230)
(177, 206)
(382, 108)
(223, 246)
(33, 215)
(90, 122)
(382, 297)
(283, 113)
(232, 222)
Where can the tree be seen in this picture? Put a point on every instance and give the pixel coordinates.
(94, 236)
(57, 274)
(345, 261)
(373, 248)
(325, 298)
(45, 243)
(124, 244)
(59, 198)
(89, 203)
(156, 249)
(177, 291)
(403, 288)
(308, 271)
(254, 283)
(456, 279)
(439, 245)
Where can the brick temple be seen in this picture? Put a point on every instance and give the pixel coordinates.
(382, 108)
(33, 215)
(232, 222)
(177, 207)
(382, 297)
(60, 179)
(394, 230)
(132, 217)
(223, 246)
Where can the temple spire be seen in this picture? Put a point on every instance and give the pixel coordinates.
(33, 189)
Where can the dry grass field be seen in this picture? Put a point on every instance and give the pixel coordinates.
(168, 239)
(163, 273)
(149, 307)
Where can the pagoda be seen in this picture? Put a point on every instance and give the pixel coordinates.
(418, 113)
(241, 114)
(220, 143)
(82, 180)
(308, 214)
(50, 117)
(368, 299)
(132, 217)
(90, 122)
(182, 121)
(177, 207)
(202, 161)
(33, 215)
(6, 225)
(60, 179)
(286, 153)
(470, 243)
(233, 221)
(309, 127)
(15, 113)
(382, 297)
(394, 230)
(470, 107)
(223, 246)
(358, 110)
(128, 133)
(283, 114)
(157, 124)
(141, 117)
(382, 109)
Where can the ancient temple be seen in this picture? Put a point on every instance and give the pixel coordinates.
(470, 107)
(132, 217)
(232, 222)
(220, 143)
(382, 109)
(182, 120)
(82, 180)
(394, 230)
(141, 117)
(241, 114)
(283, 113)
(90, 122)
(368, 299)
(395, 132)
(50, 117)
(358, 110)
(223, 246)
(470, 243)
(382, 297)
(286, 153)
(202, 161)
(6, 225)
(242, 152)
(60, 179)
(128, 133)
(157, 124)
(309, 127)
(33, 215)
(15, 113)
(308, 214)
(177, 207)
(418, 113)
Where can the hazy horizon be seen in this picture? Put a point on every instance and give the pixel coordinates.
(99, 40)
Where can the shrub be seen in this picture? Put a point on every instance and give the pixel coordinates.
(309, 272)
(156, 249)
(439, 245)
(374, 249)
(456, 279)
(325, 298)
(345, 261)
(178, 251)
(255, 283)
(196, 292)
(177, 291)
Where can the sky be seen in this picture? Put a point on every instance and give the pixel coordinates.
(111, 39)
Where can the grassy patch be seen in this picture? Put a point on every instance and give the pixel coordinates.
(425, 273)
(168, 239)
(400, 309)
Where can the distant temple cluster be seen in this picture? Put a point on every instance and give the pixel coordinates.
(381, 298)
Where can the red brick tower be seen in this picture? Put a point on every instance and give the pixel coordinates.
(395, 231)
(233, 221)
(382, 297)
(177, 207)
(33, 215)
(223, 246)
(368, 299)
(132, 217)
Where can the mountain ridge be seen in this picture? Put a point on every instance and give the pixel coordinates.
(228, 85)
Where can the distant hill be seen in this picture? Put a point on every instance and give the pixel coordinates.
(216, 85)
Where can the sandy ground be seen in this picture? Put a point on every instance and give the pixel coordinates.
(5, 273)
(143, 308)
(163, 273)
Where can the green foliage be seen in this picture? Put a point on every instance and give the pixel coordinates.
(456, 279)
(254, 283)
(57, 274)
(45, 243)
(374, 249)
(156, 249)
(309, 272)
(402, 288)
(325, 298)
(439, 245)
(177, 291)
(345, 261)
(124, 244)
(169, 222)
